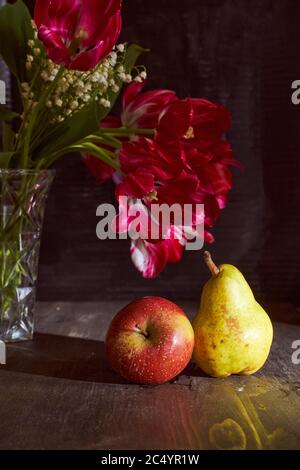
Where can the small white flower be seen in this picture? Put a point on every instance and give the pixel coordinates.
(36, 51)
(95, 77)
(79, 93)
(103, 81)
(58, 102)
(87, 87)
(80, 84)
(121, 47)
(74, 104)
(30, 43)
(29, 58)
(44, 75)
(143, 75)
(128, 78)
(115, 88)
(122, 76)
(138, 79)
(25, 86)
(49, 104)
(113, 57)
(105, 103)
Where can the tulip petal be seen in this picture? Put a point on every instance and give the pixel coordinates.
(215, 178)
(208, 237)
(131, 92)
(146, 153)
(98, 169)
(144, 109)
(94, 18)
(175, 121)
(110, 122)
(175, 245)
(210, 120)
(50, 38)
(137, 184)
(149, 258)
(64, 16)
(87, 60)
(181, 190)
(78, 34)
(41, 12)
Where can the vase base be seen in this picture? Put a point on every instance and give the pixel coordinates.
(17, 321)
(17, 333)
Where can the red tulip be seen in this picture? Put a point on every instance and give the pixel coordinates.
(195, 127)
(139, 110)
(142, 110)
(187, 162)
(78, 33)
(149, 256)
(150, 259)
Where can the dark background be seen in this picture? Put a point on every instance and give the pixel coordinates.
(244, 54)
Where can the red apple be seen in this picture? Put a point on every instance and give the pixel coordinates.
(150, 341)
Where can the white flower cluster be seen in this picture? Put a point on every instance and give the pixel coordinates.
(74, 89)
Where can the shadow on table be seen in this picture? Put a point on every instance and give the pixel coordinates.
(68, 358)
(61, 357)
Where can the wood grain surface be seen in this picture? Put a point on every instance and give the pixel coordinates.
(58, 392)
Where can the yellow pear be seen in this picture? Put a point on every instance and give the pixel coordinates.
(233, 333)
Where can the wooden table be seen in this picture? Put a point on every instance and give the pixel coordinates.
(57, 392)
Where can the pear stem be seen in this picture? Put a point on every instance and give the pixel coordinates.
(210, 264)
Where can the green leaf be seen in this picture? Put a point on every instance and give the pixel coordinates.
(84, 122)
(70, 131)
(15, 31)
(6, 114)
(8, 138)
(5, 159)
(132, 54)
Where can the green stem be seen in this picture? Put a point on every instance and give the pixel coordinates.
(35, 114)
(124, 131)
(26, 110)
(110, 142)
(88, 147)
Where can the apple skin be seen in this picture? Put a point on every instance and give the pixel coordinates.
(150, 341)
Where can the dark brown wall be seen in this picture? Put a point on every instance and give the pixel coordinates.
(244, 54)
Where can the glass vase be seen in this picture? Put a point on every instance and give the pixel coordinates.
(23, 195)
